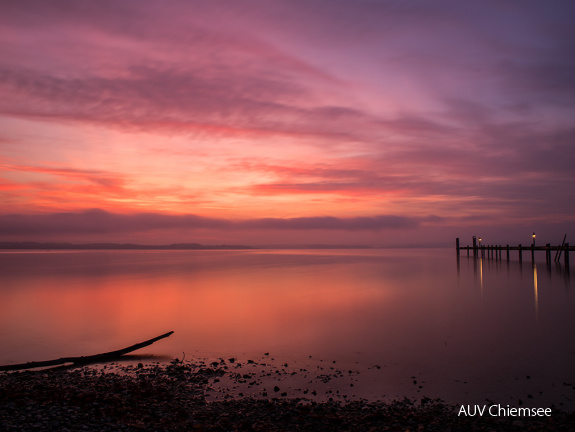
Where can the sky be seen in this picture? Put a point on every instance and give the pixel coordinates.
(268, 122)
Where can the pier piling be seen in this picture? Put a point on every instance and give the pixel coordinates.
(495, 251)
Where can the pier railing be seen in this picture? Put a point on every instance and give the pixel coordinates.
(496, 251)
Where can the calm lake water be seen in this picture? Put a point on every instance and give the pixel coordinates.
(407, 322)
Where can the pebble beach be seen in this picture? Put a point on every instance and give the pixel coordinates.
(201, 396)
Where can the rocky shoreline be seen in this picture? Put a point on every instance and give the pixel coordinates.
(175, 397)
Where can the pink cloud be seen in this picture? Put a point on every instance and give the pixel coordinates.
(416, 107)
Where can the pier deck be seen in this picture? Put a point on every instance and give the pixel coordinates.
(495, 251)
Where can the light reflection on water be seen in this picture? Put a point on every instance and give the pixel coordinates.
(535, 293)
(465, 328)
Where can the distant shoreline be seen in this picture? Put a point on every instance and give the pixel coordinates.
(188, 246)
(115, 246)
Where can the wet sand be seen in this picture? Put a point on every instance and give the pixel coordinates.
(225, 395)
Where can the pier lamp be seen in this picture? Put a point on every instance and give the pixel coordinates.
(479, 241)
(534, 239)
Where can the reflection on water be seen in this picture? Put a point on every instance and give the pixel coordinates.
(559, 271)
(481, 274)
(466, 332)
(535, 293)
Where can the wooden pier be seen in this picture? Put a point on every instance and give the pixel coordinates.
(496, 251)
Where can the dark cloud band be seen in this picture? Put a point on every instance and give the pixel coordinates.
(97, 221)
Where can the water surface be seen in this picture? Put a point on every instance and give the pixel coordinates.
(410, 322)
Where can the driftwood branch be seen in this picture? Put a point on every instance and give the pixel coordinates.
(85, 359)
